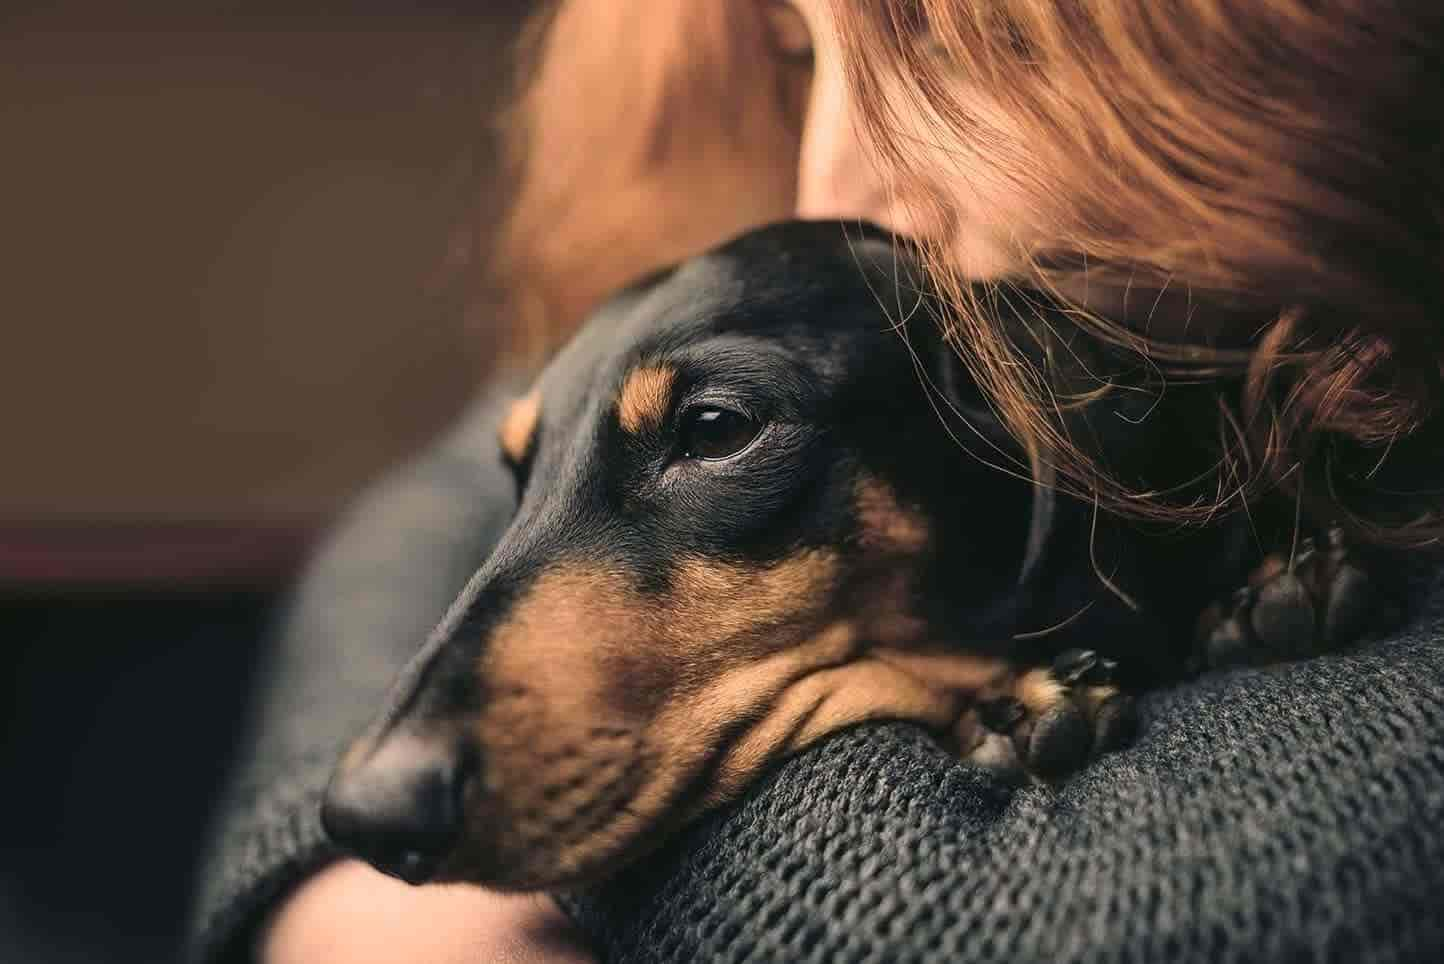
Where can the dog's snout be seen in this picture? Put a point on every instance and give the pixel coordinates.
(400, 806)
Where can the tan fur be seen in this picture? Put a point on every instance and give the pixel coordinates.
(886, 524)
(518, 427)
(996, 751)
(965, 672)
(668, 674)
(736, 605)
(1093, 697)
(826, 701)
(607, 702)
(893, 540)
(1038, 691)
(645, 397)
(1272, 565)
(614, 713)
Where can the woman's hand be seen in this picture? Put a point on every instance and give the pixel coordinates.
(351, 914)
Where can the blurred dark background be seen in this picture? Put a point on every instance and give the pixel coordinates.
(235, 287)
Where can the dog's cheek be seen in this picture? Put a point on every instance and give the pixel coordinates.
(894, 543)
(551, 793)
(548, 644)
(638, 675)
(559, 752)
(803, 644)
(885, 526)
(605, 703)
(724, 614)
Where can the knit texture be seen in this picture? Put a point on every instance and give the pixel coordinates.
(1292, 813)
(384, 578)
(1285, 814)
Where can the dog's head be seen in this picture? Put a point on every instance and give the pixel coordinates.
(731, 485)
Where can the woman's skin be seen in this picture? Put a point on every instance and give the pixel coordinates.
(840, 176)
(352, 913)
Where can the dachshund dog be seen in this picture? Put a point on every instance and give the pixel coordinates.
(760, 501)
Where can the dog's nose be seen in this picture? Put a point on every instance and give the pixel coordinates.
(400, 806)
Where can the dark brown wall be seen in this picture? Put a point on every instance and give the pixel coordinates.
(220, 244)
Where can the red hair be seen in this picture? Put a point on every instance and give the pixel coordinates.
(1285, 157)
(644, 133)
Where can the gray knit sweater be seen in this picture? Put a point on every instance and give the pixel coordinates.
(1293, 813)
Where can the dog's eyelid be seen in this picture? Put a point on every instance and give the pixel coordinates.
(692, 409)
(713, 396)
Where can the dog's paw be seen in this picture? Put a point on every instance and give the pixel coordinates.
(1325, 601)
(1045, 724)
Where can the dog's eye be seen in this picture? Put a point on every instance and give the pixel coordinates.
(716, 433)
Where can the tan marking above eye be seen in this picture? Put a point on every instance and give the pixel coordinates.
(518, 427)
(645, 398)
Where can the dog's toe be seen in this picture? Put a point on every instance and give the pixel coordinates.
(1225, 639)
(1323, 601)
(1283, 617)
(1352, 606)
(1115, 723)
(1046, 724)
(1061, 741)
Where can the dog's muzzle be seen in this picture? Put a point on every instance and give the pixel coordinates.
(399, 804)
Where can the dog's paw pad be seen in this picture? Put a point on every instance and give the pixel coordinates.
(1001, 714)
(1115, 722)
(1060, 743)
(1282, 615)
(1324, 601)
(1046, 724)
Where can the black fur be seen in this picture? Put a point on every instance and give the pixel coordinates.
(826, 333)
(825, 339)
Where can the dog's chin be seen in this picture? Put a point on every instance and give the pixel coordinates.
(526, 865)
(530, 841)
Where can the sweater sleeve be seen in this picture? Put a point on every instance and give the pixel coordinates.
(1283, 813)
(383, 579)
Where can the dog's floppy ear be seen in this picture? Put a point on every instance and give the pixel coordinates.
(972, 420)
(977, 426)
(1042, 524)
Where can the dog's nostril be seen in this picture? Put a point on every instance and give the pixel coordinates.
(401, 807)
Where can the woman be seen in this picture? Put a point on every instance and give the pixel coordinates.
(1246, 190)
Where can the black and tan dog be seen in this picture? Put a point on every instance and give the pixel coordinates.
(755, 509)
